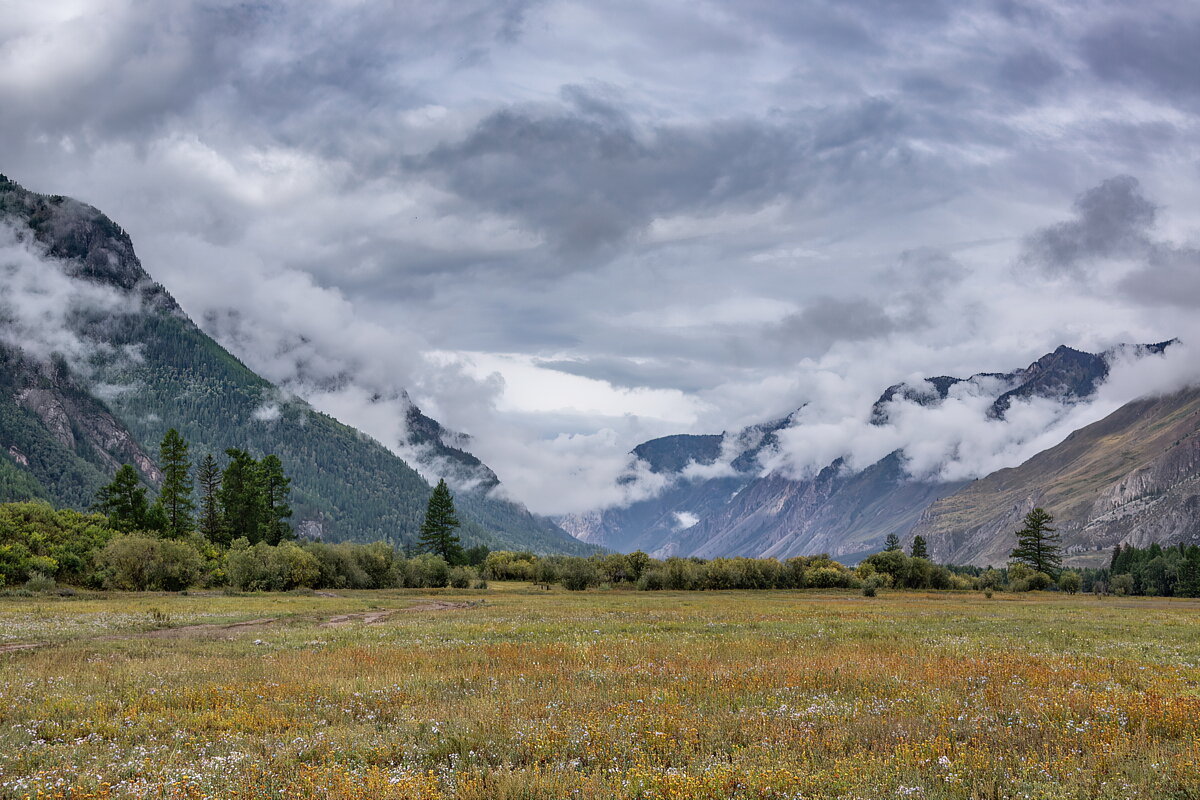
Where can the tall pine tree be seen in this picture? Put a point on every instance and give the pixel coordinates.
(124, 501)
(275, 487)
(242, 505)
(919, 547)
(891, 543)
(175, 496)
(1038, 544)
(437, 531)
(208, 475)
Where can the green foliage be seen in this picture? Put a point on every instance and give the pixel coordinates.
(175, 495)
(892, 543)
(1154, 571)
(124, 501)
(1069, 582)
(462, 577)
(136, 562)
(1038, 544)
(426, 571)
(211, 524)
(266, 568)
(35, 538)
(579, 574)
(919, 548)
(437, 531)
(242, 504)
(40, 583)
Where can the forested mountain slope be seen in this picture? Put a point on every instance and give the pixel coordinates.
(148, 367)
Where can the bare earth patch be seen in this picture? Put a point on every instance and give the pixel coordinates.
(374, 617)
(12, 648)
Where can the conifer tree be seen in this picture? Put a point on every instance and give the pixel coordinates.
(275, 487)
(919, 548)
(175, 496)
(1038, 544)
(242, 506)
(437, 531)
(891, 543)
(208, 475)
(124, 501)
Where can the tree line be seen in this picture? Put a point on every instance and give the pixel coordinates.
(248, 499)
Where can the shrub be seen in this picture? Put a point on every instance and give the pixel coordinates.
(1070, 582)
(652, 580)
(40, 583)
(871, 585)
(461, 577)
(988, 593)
(1121, 585)
(578, 574)
(426, 571)
(481, 584)
(1039, 581)
(136, 562)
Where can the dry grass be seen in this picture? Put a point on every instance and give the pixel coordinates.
(601, 695)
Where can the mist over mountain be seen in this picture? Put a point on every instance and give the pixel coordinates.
(755, 492)
(97, 361)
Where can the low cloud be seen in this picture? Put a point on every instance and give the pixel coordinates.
(43, 309)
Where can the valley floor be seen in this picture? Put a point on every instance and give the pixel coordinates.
(515, 692)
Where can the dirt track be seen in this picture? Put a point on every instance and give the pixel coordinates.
(217, 631)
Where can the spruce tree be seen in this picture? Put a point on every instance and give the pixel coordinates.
(175, 496)
(124, 501)
(275, 487)
(208, 475)
(1038, 544)
(891, 543)
(919, 548)
(437, 531)
(242, 506)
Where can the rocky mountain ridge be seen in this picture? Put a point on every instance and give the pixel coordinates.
(748, 510)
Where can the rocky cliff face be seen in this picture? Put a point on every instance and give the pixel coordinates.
(1133, 477)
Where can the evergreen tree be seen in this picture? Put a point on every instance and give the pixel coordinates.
(1116, 556)
(208, 475)
(891, 543)
(919, 548)
(1038, 544)
(437, 531)
(124, 501)
(275, 487)
(242, 506)
(175, 497)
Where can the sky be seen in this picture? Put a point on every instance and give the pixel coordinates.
(565, 228)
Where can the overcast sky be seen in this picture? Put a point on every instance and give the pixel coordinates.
(565, 228)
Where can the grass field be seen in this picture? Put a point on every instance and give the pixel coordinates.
(555, 695)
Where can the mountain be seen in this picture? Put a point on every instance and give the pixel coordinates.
(708, 512)
(1133, 477)
(136, 365)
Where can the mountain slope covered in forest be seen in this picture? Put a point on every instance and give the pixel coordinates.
(144, 367)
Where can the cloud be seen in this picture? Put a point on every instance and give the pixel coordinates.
(43, 308)
(1159, 52)
(640, 221)
(1111, 220)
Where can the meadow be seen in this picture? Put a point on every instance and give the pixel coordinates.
(516, 692)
